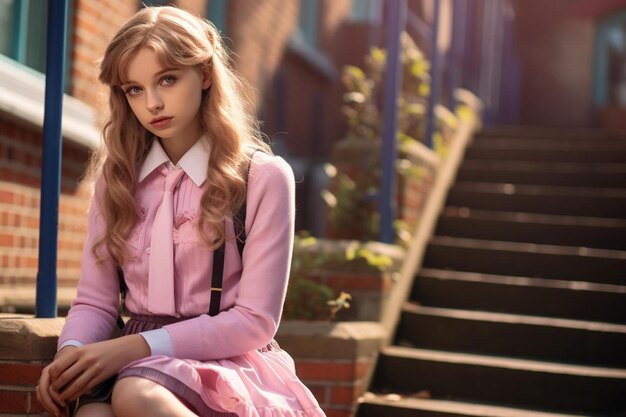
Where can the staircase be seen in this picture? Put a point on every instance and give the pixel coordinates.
(519, 308)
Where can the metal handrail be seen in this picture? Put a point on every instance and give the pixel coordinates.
(46, 298)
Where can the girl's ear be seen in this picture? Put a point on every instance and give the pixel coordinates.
(206, 79)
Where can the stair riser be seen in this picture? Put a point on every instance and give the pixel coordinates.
(511, 339)
(587, 179)
(376, 410)
(612, 207)
(458, 381)
(528, 264)
(551, 234)
(516, 299)
(560, 155)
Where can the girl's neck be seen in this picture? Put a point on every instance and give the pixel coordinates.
(176, 148)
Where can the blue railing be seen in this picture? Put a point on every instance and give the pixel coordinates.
(46, 304)
(484, 78)
(397, 19)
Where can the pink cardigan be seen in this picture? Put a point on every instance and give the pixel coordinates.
(253, 292)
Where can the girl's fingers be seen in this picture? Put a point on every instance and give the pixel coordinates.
(55, 396)
(43, 395)
(78, 386)
(67, 376)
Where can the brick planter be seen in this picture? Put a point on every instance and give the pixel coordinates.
(333, 359)
(368, 285)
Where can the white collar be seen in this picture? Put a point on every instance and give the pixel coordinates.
(194, 162)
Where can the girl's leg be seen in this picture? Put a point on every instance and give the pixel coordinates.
(135, 396)
(95, 410)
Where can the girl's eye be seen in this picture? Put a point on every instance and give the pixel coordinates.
(133, 91)
(168, 80)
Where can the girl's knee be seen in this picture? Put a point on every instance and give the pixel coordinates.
(129, 396)
(95, 410)
(135, 396)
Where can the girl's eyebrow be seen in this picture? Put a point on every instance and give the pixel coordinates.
(158, 74)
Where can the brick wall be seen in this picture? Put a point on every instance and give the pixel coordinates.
(93, 28)
(26, 346)
(557, 54)
(335, 360)
(20, 178)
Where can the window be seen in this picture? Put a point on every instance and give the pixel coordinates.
(148, 3)
(307, 21)
(610, 62)
(217, 13)
(23, 26)
(366, 11)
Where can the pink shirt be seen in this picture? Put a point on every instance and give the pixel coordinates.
(253, 290)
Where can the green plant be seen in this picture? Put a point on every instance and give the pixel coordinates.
(310, 300)
(353, 212)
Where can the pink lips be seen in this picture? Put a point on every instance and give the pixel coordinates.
(161, 122)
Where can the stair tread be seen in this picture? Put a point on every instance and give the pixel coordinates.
(501, 245)
(504, 362)
(470, 409)
(477, 315)
(532, 218)
(547, 145)
(523, 132)
(538, 190)
(547, 166)
(521, 280)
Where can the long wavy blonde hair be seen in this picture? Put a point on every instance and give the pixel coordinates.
(180, 39)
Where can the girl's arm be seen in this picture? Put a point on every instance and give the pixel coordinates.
(93, 314)
(254, 319)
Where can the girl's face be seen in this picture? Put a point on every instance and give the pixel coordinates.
(166, 101)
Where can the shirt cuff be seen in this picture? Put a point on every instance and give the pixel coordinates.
(70, 342)
(160, 342)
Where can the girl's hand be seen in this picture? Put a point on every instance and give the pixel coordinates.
(81, 369)
(46, 396)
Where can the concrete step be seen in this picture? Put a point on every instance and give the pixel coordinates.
(560, 154)
(572, 201)
(603, 175)
(540, 133)
(592, 232)
(489, 333)
(520, 295)
(377, 405)
(526, 259)
(548, 144)
(502, 381)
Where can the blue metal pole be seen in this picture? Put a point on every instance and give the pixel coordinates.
(435, 79)
(396, 12)
(51, 161)
(456, 49)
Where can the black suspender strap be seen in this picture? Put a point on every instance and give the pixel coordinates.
(123, 290)
(216, 280)
(239, 224)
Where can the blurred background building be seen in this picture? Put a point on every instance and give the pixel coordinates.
(548, 63)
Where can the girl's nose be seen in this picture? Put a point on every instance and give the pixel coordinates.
(154, 101)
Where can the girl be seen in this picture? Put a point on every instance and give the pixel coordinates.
(180, 156)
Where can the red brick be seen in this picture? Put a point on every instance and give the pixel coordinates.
(326, 371)
(343, 395)
(6, 240)
(320, 394)
(13, 401)
(18, 373)
(6, 196)
(338, 413)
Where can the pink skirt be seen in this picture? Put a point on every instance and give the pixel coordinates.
(259, 383)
